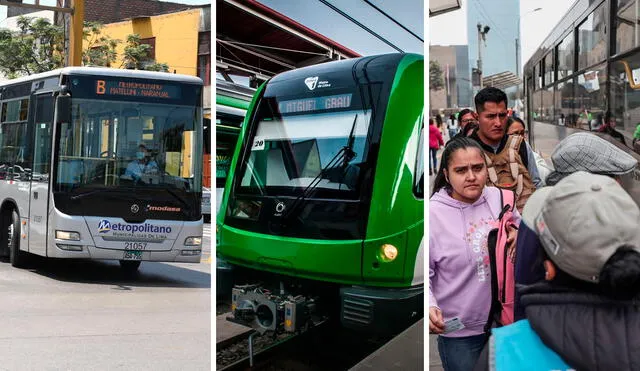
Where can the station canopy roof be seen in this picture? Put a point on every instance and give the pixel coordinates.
(255, 40)
(437, 7)
(501, 80)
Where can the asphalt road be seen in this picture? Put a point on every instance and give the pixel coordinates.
(88, 315)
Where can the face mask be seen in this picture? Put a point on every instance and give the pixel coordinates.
(140, 155)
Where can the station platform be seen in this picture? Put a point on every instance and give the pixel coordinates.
(228, 332)
(403, 352)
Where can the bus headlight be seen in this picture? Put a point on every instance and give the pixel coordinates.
(388, 252)
(66, 235)
(193, 241)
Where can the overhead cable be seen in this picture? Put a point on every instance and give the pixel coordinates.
(325, 2)
(393, 20)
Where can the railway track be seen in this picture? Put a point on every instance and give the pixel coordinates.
(325, 347)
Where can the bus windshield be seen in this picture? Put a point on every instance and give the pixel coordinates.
(111, 144)
(294, 150)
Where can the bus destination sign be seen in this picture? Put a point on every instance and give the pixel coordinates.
(315, 104)
(137, 89)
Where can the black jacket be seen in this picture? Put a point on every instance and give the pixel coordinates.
(588, 331)
(528, 268)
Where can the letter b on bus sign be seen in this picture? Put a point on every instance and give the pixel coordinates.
(100, 87)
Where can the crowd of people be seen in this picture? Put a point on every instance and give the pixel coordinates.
(572, 239)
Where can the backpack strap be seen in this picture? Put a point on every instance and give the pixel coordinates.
(493, 175)
(513, 145)
(507, 197)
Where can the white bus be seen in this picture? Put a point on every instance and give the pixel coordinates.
(101, 163)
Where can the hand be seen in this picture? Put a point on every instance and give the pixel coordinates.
(512, 233)
(436, 321)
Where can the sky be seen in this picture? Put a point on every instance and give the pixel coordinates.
(446, 29)
(324, 20)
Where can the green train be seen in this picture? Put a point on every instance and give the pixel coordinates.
(232, 102)
(323, 210)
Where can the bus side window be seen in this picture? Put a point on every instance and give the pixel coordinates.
(418, 175)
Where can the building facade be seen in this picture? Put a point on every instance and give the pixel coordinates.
(454, 63)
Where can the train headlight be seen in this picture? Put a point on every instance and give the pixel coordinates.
(388, 252)
(66, 235)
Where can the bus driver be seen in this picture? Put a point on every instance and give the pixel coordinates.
(142, 165)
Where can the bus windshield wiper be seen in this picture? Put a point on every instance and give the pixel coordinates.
(100, 190)
(342, 158)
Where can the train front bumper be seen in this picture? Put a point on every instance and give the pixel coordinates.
(380, 310)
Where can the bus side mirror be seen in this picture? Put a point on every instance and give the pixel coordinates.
(63, 108)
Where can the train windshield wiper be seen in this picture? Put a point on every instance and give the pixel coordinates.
(342, 158)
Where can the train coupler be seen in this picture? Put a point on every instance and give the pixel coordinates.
(264, 310)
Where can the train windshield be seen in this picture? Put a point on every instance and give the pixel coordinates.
(307, 145)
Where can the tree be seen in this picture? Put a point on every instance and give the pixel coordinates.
(436, 79)
(136, 56)
(101, 49)
(36, 47)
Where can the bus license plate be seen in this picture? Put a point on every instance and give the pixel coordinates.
(132, 255)
(133, 250)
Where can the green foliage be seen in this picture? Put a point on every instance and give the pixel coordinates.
(136, 56)
(436, 79)
(101, 49)
(159, 67)
(36, 47)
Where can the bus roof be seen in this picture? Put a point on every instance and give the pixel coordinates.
(572, 17)
(102, 71)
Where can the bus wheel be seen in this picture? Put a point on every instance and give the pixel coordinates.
(17, 257)
(129, 266)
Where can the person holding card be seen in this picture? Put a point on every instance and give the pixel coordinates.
(462, 211)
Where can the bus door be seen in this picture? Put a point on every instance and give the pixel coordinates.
(39, 205)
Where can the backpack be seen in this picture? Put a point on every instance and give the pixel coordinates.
(507, 171)
(502, 262)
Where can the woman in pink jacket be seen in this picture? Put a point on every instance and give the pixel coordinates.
(462, 211)
(435, 141)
